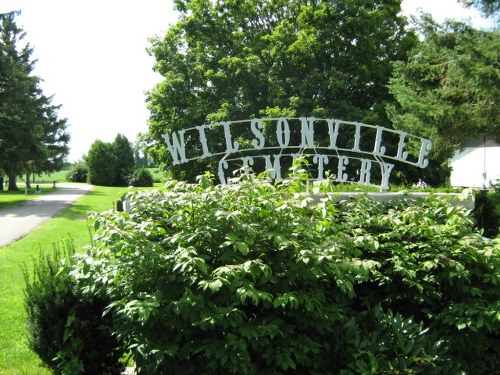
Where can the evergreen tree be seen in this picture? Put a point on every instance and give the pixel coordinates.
(110, 164)
(486, 7)
(449, 88)
(32, 137)
(124, 160)
(101, 164)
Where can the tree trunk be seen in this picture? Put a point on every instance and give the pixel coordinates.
(12, 182)
(1, 183)
(28, 183)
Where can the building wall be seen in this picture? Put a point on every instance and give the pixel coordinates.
(476, 167)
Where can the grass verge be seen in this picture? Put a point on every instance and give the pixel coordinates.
(11, 198)
(15, 356)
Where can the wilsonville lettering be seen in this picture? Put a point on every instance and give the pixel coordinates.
(343, 148)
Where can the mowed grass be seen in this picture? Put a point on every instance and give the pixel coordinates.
(62, 176)
(11, 198)
(15, 356)
(59, 176)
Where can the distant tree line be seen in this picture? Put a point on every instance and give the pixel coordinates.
(112, 164)
(33, 138)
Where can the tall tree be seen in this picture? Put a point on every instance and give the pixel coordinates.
(32, 137)
(124, 160)
(101, 164)
(450, 87)
(229, 60)
(486, 7)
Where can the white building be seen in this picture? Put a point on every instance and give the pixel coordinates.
(477, 165)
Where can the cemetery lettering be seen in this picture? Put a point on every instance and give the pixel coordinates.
(347, 149)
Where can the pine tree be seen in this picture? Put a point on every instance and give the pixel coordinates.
(32, 136)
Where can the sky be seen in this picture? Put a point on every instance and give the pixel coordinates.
(91, 56)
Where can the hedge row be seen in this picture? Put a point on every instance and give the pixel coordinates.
(255, 278)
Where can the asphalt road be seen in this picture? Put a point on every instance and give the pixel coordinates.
(18, 221)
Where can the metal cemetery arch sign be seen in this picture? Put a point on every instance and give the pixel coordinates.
(346, 149)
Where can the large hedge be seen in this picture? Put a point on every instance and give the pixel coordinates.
(256, 278)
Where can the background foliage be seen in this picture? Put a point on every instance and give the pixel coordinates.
(232, 60)
(448, 89)
(78, 172)
(141, 178)
(110, 164)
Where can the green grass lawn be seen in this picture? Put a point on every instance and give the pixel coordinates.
(59, 176)
(11, 198)
(15, 356)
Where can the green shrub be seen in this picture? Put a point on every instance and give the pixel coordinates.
(65, 329)
(141, 178)
(110, 164)
(380, 342)
(255, 278)
(433, 266)
(124, 159)
(487, 210)
(101, 164)
(78, 172)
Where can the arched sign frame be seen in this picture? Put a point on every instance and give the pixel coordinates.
(294, 137)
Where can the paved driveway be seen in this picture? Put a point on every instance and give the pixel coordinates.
(20, 220)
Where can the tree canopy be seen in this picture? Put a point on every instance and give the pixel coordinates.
(124, 158)
(110, 164)
(229, 60)
(486, 7)
(449, 88)
(32, 136)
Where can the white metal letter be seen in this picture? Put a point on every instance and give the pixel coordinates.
(341, 176)
(222, 165)
(203, 140)
(275, 167)
(402, 154)
(283, 132)
(364, 172)
(321, 160)
(379, 149)
(357, 137)
(386, 169)
(256, 126)
(247, 163)
(334, 133)
(424, 151)
(177, 148)
(307, 132)
(230, 145)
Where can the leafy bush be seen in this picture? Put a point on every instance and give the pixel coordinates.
(433, 266)
(65, 329)
(378, 341)
(487, 210)
(141, 178)
(78, 172)
(110, 164)
(255, 278)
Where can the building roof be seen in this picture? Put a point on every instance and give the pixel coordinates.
(481, 142)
